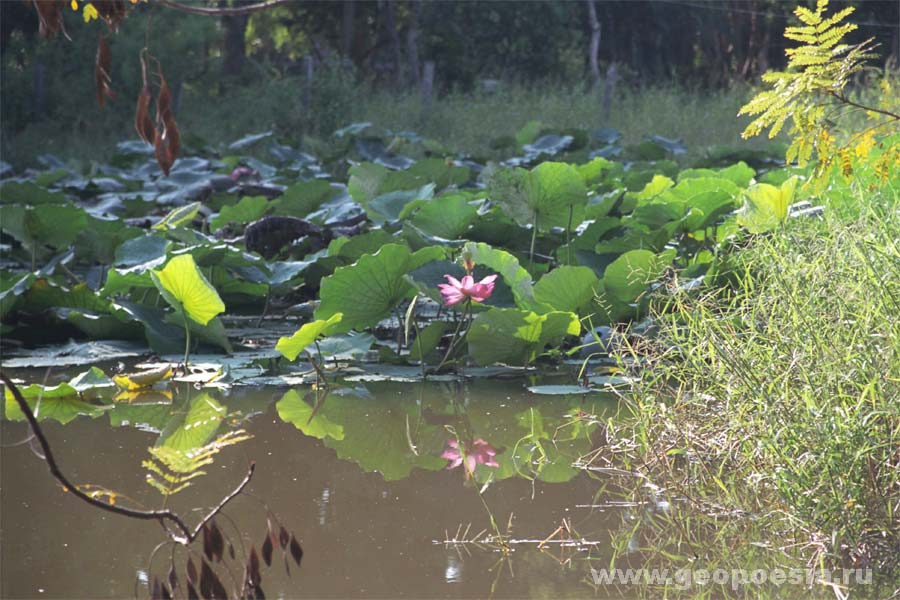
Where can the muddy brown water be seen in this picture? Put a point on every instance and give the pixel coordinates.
(372, 503)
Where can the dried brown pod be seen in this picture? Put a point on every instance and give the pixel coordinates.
(296, 550)
(167, 137)
(102, 67)
(50, 19)
(253, 575)
(267, 550)
(210, 584)
(143, 124)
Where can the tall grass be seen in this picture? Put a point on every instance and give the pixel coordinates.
(769, 416)
(465, 122)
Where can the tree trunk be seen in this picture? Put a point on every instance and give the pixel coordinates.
(390, 23)
(235, 48)
(412, 44)
(595, 42)
(39, 104)
(427, 87)
(608, 90)
(347, 28)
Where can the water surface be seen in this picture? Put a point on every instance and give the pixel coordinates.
(372, 502)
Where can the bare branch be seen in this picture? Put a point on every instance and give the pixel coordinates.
(163, 516)
(224, 11)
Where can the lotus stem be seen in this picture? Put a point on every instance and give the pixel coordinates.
(187, 339)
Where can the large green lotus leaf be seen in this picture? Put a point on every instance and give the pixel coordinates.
(13, 290)
(146, 252)
(369, 180)
(162, 337)
(688, 188)
(594, 171)
(629, 275)
(15, 192)
(45, 293)
(185, 288)
(391, 205)
(509, 189)
(439, 172)
(55, 225)
(707, 208)
(514, 337)
(238, 290)
(766, 206)
(567, 289)
(653, 188)
(554, 188)
(100, 239)
(250, 208)
(656, 214)
(302, 198)
(292, 409)
(291, 346)
(447, 216)
(365, 181)
(120, 281)
(507, 265)
(366, 291)
(741, 174)
(200, 424)
(100, 326)
(354, 248)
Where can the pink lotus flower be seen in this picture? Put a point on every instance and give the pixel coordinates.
(478, 452)
(457, 291)
(240, 172)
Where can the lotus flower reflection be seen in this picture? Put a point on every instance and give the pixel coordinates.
(477, 453)
(456, 291)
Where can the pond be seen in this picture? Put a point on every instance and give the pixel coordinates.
(358, 473)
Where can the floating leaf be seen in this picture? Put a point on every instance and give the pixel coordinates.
(143, 380)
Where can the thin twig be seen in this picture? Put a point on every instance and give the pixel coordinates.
(847, 101)
(224, 11)
(162, 516)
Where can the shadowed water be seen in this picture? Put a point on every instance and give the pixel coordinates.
(371, 502)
